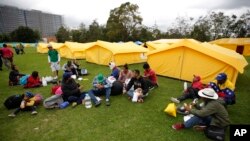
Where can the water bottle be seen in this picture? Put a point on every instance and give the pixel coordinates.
(64, 105)
(88, 103)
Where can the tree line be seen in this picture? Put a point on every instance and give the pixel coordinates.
(125, 24)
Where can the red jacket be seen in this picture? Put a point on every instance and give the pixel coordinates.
(7, 53)
(33, 82)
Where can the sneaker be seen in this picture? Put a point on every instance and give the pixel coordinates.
(55, 77)
(34, 112)
(98, 103)
(178, 126)
(12, 115)
(107, 102)
(175, 100)
(74, 104)
(199, 127)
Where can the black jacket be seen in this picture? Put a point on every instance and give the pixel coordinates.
(138, 83)
(13, 75)
(70, 88)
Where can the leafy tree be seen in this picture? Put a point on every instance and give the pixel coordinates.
(62, 35)
(95, 32)
(123, 22)
(5, 37)
(24, 34)
(76, 35)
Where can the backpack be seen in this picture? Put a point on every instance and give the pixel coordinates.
(117, 88)
(229, 98)
(13, 101)
(23, 80)
(215, 133)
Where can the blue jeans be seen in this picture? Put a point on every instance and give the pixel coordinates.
(195, 120)
(106, 91)
(130, 93)
(78, 100)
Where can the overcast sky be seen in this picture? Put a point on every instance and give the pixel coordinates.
(161, 12)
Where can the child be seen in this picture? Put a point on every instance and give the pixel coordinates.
(138, 96)
(27, 104)
(14, 76)
(33, 80)
(190, 92)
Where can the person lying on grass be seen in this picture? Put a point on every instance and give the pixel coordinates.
(14, 76)
(190, 92)
(139, 83)
(213, 114)
(72, 91)
(33, 81)
(27, 104)
(224, 87)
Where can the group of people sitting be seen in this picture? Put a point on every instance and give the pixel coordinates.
(211, 115)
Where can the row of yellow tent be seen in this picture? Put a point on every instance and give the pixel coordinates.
(99, 52)
(176, 58)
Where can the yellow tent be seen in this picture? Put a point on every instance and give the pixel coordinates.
(240, 45)
(188, 57)
(76, 50)
(42, 48)
(104, 52)
(154, 46)
(166, 41)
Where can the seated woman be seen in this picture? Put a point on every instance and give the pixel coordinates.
(70, 67)
(125, 74)
(72, 91)
(33, 80)
(14, 76)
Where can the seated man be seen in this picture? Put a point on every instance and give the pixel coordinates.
(139, 83)
(224, 88)
(213, 114)
(190, 92)
(150, 76)
(70, 67)
(115, 70)
(101, 87)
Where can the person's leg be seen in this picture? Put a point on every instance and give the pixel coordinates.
(92, 96)
(82, 96)
(1, 63)
(72, 99)
(192, 122)
(17, 111)
(107, 93)
(6, 63)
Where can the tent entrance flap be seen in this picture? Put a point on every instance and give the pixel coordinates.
(240, 49)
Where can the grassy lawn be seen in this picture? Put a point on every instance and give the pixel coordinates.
(122, 121)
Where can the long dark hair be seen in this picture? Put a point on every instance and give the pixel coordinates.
(34, 74)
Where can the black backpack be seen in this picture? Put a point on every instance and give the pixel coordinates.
(13, 101)
(215, 133)
(117, 88)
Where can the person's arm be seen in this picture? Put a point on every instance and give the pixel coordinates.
(59, 58)
(209, 109)
(95, 82)
(30, 103)
(49, 59)
(106, 85)
(130, 84)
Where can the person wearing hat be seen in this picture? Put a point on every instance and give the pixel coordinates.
(190, 92)
(213, 114)
(101, 87)
(54, 61)
(72, 91)
(224, 87)
(27, 104)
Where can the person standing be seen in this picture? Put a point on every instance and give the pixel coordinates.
(54, 61)
(7, 56)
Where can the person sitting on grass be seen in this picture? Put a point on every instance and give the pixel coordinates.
(14, 76)
(70, 67)
(213, 114)
(190, 92)
(33, 81)
(139, 83)
(115, 70)
(150, 76)
(72, 91)
(224, 87)
(101, 87)
(125, 74)
(27, 104)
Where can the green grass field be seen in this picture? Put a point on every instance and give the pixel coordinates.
(122, 121)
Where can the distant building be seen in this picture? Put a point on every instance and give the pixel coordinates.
(12, 17)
